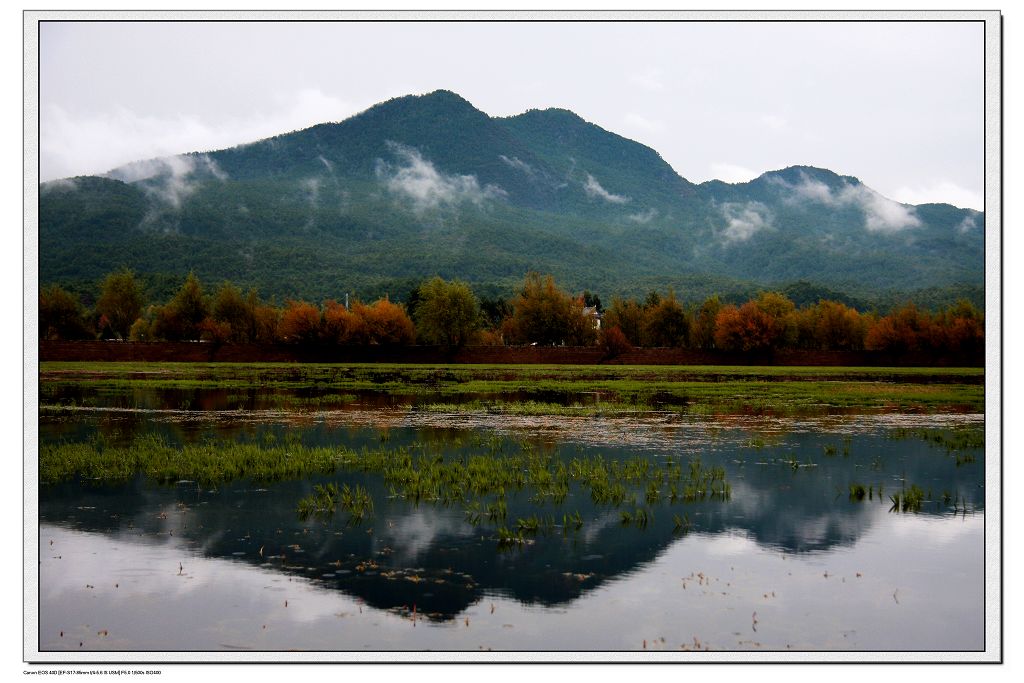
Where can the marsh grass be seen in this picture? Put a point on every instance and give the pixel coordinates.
(908, 499)
(321, 503)
(480, 483)
(690, 389)
(960, 443)
(208, 463)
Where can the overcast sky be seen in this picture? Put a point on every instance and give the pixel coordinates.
(899, 105)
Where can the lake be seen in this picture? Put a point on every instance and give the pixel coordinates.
(552, 522)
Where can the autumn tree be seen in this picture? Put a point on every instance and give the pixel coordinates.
(342, 326)
(386, 323)
(768, 322)
(905, 329)
(447, 313)
(300, 323)
(614, 342)
(746, 328)
(120, 303)
(61, 315)
(182, 318)
(961, 328)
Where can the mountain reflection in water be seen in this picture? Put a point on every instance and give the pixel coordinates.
(788, 497)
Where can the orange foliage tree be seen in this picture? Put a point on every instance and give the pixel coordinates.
(746, 328)
(385, 323)
(961, 328)
(300, 322)
(342, 326)
(905, 329)
(768, 322)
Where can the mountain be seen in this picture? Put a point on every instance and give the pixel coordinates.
(425, 185)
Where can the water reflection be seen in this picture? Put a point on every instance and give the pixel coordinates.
(790, 523)
(701, 593)
(430, 555)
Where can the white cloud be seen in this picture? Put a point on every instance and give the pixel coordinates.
(941, 192)
(594, 189)
(967, 225)
(65, 184)
(808, 189)
(743, 221)
(880, 213)
(730, 173)
(91, 144)
(171, 178)
(517, 163)
(311, 186)
(644, 217)
(419, 180)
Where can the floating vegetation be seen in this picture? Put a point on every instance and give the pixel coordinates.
(858, 492)
(509, 539)
(960, 443)
(357, 502)
(907, 500)
(321, 503)
(572, 522)
(683, 525)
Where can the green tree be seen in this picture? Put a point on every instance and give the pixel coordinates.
(120, 303)
(447, 313)
(667, 324)
(702, 333)
(234, 314)
(629, 317)
(782, 313)
(544, 314)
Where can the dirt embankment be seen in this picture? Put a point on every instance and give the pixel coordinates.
(253, 353)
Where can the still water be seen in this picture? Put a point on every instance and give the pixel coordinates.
(792, 560)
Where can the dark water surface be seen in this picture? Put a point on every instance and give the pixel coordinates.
(790, 561)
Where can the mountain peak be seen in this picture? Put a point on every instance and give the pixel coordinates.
(433, 100)
(799, 174)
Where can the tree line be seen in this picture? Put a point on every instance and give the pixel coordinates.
(450, 314)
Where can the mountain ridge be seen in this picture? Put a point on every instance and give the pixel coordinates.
(429, 184)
